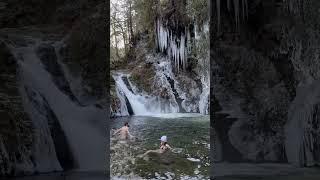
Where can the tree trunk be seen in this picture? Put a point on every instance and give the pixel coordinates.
(130, 20)
(116, 41)
(128, 31)
(123, 32)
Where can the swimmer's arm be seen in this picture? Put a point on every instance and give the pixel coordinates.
(115, 132)
(130, 134)
(169, 147)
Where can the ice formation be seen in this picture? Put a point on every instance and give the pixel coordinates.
(302, 129)
(236, 9)
(175, 47)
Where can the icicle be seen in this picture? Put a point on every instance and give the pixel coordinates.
(185, 58)
(156, 36)
(177, 55)
(183, 51)
(236, 12)
(218, 14)
(189, 41)
(159, 35)
(228, 5)
(243, 9)
(176, 48)
(162, 37)
(246, 8)
(167, 38)
(195, 32)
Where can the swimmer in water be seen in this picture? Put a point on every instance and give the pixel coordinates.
(164, 147)
(124, 132)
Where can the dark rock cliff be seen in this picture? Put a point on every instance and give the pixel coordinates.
(16, 127)
(256, 71)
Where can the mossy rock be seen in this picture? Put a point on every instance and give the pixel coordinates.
(143, 76)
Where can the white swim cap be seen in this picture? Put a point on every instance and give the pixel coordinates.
(163, 138)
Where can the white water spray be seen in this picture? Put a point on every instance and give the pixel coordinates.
(142, 105)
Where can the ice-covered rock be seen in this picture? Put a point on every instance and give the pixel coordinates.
(302, 129)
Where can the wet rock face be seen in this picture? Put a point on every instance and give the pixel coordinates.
(258, 71)
(15, 13)
(86, 53)
(16, 127)
(48, 57)
(254, 79)
(191, 90)
(302, 129)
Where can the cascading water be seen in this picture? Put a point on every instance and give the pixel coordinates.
(142, 105)
(204, 98)
(123, 111)
(135, 100)
(87, 148)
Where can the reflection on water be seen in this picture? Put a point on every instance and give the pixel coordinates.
(188, 135)
(289, 177)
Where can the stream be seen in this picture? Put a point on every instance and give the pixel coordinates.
(188, 135)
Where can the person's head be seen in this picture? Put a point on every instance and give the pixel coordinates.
(163, 140)
(126, 124)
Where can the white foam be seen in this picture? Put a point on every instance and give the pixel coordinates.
(193, 159)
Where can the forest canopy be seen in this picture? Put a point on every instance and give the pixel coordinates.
(129, 18)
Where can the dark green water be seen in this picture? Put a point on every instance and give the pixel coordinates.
(69, 175)
(282, 177)
(264, 171)
(188, 136)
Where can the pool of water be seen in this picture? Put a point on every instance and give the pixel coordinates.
(188, 135)
(264, 171)
(68, 175)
